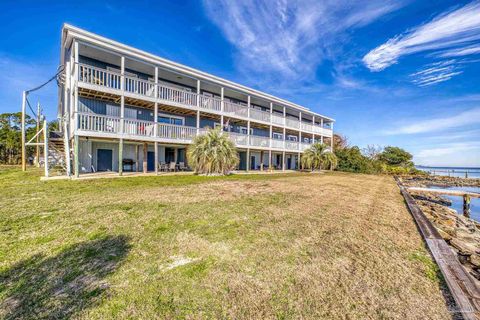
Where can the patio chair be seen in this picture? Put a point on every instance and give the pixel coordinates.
(172, 166)
(182, 167)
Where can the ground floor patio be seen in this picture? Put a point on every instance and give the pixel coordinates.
(105, 156)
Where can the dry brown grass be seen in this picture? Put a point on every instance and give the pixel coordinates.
(297, 246)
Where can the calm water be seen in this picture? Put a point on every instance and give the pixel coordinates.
(457, 202)
(451, 171)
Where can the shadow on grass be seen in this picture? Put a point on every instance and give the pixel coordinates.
(59, 287)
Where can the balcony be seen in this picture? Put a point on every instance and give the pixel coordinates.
(94, 78)
(111, 127)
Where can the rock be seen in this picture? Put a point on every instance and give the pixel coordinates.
(463, 247)
(475, 260)
(445, 235)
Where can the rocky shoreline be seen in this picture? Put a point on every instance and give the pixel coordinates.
(461, 233)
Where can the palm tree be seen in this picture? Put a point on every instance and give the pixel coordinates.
(212, 153)
(318, 156)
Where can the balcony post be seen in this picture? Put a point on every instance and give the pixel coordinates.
(331, 139)
(248, 132)
(122, 116)
(271, 127)
(155, 120)
(313, 130)
(321, 125)
(76, 168)
(145, 156)
(284, 131)
(283, 160)
(198, 107)
(222, 106)
(75, 101)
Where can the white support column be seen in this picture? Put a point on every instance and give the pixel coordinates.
(122, 115)
(45, 153)
(155, 120)
(284, 130)
(75, 102)
(222, 105)
(331, 140)
(156, 156)
(271, 127)
(198, 107)
(300, 130)
(313, 126)
(283, 160)
(155, 112)
(248, 124)
(321, 125)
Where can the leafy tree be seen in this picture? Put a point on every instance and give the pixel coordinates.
(212, 153)
(352, 160)
(318, 156)
(396, 156)
(11, 137)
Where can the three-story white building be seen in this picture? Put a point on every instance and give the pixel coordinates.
(126, 109)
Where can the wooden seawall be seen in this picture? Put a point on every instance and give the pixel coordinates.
(462, 286)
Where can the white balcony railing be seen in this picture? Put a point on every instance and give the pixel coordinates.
(239, 139)
(99, 77)
(170, 131)
(210, 103)
(98, 123)
(139, 86)
(276, 119)
(139, 128)
(112, 80)
(292, 123)
(277, 144)
(259, 115)
(176, 95)
(235, 109)
(291, 145)
(258, 141)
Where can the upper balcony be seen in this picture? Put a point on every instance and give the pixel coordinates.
(97, 125)
(100, 79)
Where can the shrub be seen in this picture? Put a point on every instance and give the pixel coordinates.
(212, 153)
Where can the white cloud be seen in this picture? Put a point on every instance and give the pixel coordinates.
(458, 52)
(289, 39)
(436, 73)
(454, 29)
(453, 154)
(462, 119)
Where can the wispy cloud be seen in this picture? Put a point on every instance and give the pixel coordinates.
(459, 52)
(455, 29)
(468, 117)
(435, 73)
(290, 38)
(450, 154)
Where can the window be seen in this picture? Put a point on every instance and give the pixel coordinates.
(306, 140)
(130, 113)
(170, 119)
(216, 125)
(243, 130)
(292, 138)
(113, 111)
(278, 136)
(128, 74)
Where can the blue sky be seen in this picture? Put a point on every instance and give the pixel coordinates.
(403, 73)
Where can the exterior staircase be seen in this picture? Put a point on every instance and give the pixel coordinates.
(56, 151)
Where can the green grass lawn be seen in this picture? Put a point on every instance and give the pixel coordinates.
(247, 246)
